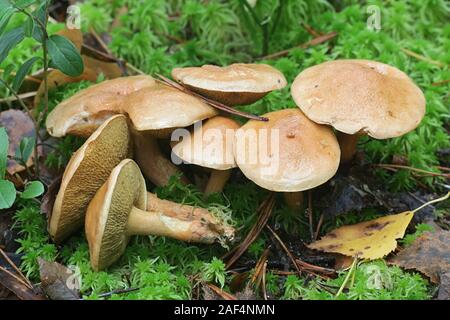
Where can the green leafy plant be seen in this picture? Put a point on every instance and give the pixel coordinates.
(371, 281)
(420, 229)
(8, 191)
(214, 271)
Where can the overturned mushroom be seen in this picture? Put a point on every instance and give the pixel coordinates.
(236, 84)
(211, 146)
(118, 211)
(86, 171)
(289, 153)
(359, 97)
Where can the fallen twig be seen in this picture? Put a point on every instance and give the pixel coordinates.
(285, 249)
(19, 96)
(223, 294)
(118, 291)
(310, 215)
(438, 83)
(211, 102)
(265, 210)
(420, 57)
(259, 277)
(28, 283)
(399, 166)
(313, 42)
(319, 225)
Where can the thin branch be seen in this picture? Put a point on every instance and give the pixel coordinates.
(315, 41)
(439, 83)
(223, 294)
(211, 102)
(15, 268)
(423, 58)
(21, 96)
(285, 249)
(15, 277)
(264, 212)
(398, 166)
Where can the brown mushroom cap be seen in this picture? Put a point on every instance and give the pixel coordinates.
(160, 107)
(84, 112)
(360, 96)
(107, 217)
(235, 84)
(86, 171)
(308, 153)
(214, 148)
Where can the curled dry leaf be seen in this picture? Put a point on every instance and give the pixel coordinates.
(428, 254)
(57, 78)
(48, 199)
(57, 281)
(111, 70)
(18, 125)
(367, 240)
(92, 69)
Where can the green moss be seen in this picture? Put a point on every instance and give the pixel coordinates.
(372, 281)
(157, 36)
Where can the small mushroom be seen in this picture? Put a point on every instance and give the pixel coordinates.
(289, 153)
(359, 97)
(88, 168)
(118, 211)
(236, 84)
(211, 146)
(155, 112)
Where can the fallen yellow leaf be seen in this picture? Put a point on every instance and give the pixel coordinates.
(370, 239)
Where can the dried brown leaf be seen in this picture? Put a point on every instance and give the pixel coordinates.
(428, 254)
(57, 281)
(18, 125)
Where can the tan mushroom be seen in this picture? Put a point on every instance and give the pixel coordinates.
(289, 153)
(211, 146)
(85, 111)
(86, 171)
(118, 211)
(236, 84)
(359, 97)
(154, 110)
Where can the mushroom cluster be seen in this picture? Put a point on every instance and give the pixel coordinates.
(126, 119)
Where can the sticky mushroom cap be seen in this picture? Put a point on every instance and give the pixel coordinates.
(86, 171)
(210, 145)
(360, 96)
(159, 108)
(290, 152)
(85, 111)
(235, 84)
(108, 212)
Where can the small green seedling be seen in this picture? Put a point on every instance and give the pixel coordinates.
(8, 191)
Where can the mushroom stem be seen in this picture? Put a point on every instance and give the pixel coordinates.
(199, 227)
(347, 143)
(294, 200)
(181, 211)
(217, 181)
(154, 165)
